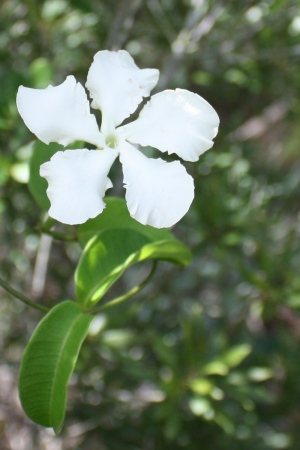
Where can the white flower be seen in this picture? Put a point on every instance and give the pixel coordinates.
(157, 193)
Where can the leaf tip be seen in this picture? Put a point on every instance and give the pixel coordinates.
(57, 429)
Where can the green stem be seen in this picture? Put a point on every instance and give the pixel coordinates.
(48, 223)
(46, 226)
(59, 236)
(22, 297)
(130, 293)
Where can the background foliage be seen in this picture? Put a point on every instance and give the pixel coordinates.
(206, 357)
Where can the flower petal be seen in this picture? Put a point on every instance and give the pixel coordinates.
(77, 183)
(117, 86)
(178, 122)
(59, 114)
(157, 193)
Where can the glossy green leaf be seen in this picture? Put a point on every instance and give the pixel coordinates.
(116, 215)
(108, 255)
(48, 363)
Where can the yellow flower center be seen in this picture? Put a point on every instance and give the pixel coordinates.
(111, 141)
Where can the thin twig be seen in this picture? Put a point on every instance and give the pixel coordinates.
(122, 24)
(41, 265)
(22, 297)
(198, 23)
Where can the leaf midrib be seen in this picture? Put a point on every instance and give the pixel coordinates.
(64, 343)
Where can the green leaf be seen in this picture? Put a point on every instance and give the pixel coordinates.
(116, 215)
(231, 358)
(48, 363)
(38, 185)
(41, 72)
(236, 355)
(109, 254)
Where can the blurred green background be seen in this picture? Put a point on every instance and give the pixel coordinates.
(206, 357)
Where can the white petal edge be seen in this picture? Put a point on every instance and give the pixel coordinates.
(157, 193)
(178, 122)
(59, 114)
(77, 183)
(117, 86)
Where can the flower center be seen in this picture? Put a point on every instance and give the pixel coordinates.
(111, 141)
